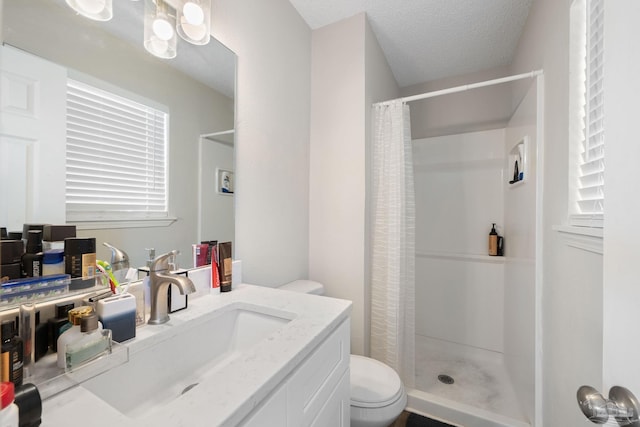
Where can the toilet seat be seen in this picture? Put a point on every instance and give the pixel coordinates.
(373, 384)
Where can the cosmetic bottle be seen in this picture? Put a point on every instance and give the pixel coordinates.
(27, 398)
(42, 343)
(53, 236)
(80, 261)
(11, 252)
(32, 258)
(72, 334)
(225, 266)
(59, 324)
(11, 355)
(92, 343)
(9, 413)
(53, 262)
(493, 241)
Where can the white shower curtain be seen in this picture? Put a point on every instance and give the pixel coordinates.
(393, 241)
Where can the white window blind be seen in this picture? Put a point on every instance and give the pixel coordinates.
(590, 185)
(116, 157)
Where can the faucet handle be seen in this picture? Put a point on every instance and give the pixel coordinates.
(162, 262)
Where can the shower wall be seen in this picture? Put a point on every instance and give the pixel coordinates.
(520, 263)
(478, 302)
(459, 193)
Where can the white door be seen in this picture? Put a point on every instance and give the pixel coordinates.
(32, 139)
(621, 267)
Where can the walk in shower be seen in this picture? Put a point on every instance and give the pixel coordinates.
(475, 314)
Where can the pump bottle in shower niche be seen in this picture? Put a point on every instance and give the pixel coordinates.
(493, 241)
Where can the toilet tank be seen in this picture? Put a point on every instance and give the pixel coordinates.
(304, 286)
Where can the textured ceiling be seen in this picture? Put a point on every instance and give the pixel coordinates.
(426, 40)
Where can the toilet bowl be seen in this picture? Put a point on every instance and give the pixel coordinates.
(377, 394)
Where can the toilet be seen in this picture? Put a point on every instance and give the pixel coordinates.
(377, 394)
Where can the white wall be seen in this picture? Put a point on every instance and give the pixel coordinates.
(273, 45)
(572, 278)
(471, 111)
(349, 73)
(519, 272)
(195, 109)
(459, 193)
(337, 174)
(380, 85)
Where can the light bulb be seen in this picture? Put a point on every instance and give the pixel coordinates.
(193, 13)
(162, 28)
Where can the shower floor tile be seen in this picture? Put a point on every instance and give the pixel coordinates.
(480, 379)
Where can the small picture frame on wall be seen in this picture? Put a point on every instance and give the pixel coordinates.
(225, 181)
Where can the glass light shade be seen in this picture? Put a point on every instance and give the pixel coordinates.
(98, 10)
(194, 21)
(159, 36)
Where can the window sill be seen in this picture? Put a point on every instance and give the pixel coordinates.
(585, 238)
(135, 223)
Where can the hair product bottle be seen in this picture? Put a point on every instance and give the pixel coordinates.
(80, 261)
(493, 241)
(11, 356)
(32, 259)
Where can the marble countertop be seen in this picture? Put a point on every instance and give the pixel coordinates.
(228, 395)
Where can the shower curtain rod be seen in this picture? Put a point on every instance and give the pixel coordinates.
(463, 88)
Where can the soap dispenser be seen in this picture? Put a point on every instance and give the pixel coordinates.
(493, 241)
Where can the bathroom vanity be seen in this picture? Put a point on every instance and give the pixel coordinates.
(255, 356)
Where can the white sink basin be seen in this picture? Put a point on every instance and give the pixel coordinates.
(160, 373)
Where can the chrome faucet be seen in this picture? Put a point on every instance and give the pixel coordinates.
(119, 258)
(160, 278)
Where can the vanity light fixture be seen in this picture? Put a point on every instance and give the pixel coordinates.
(163, 19)
(194, 21)
(159, 23)
(98, 10)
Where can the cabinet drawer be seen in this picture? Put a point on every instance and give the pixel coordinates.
(272, 412)
(312, 384)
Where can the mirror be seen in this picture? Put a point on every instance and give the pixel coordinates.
(197, 87)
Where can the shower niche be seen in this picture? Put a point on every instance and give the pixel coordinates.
(518, 163)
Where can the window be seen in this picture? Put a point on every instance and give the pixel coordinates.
(587, 113)
(116, 167)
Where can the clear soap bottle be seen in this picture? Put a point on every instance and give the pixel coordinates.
(93, 343)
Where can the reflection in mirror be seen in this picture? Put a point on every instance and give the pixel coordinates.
(197, 89)
(216, 187)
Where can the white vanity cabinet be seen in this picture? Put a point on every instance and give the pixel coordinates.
(316, 393)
